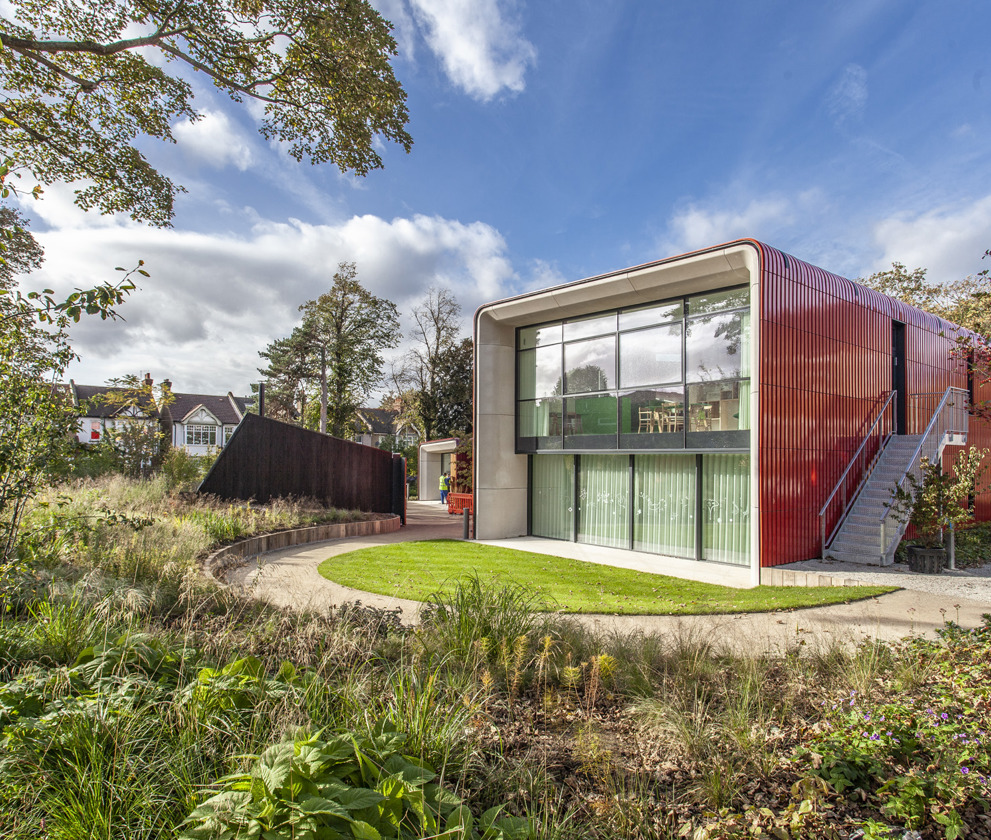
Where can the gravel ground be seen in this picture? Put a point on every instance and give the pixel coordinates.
(972, 584)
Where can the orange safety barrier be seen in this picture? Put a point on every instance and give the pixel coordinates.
(459, 503)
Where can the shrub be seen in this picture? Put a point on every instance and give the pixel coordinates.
(181, 470)
(345, 786)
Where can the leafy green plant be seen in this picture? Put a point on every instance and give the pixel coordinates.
(934, 501)
(344, 786)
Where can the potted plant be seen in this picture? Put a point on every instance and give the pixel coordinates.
(935, 501)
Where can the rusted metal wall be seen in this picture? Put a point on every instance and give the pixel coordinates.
(825, 367)
(268, 459)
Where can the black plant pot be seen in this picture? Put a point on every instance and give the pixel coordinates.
(926, 561)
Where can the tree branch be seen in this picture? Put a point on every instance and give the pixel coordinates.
(247, 90)
(92, 47)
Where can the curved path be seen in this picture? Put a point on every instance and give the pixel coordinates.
(289, 578)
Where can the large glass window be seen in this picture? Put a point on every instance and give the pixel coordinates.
(552, 496)
(590, 365)
(726, 508)
(649, 357)
(664, 504)
(671, 374)
(604, 500)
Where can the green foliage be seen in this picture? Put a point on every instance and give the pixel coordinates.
(921, 759)
(339, 347)
(343, 786)
(181, 470)
(81, 87)
(936, 500)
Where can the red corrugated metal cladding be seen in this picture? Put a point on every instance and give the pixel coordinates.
(825, 367)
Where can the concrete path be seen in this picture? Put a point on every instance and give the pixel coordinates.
(289, 578)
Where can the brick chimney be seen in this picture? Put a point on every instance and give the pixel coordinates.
(148, 381)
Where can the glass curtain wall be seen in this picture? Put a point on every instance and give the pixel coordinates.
(669, 375)
(604, 500)
(664, 504)
(552, 497)
(726, 508)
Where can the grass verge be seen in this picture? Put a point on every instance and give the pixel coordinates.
(416, 570)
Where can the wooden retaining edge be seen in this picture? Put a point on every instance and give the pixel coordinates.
(220, 562)
(782, 577)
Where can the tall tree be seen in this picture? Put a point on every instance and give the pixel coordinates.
(287, 377)
(345, 331)
(436, 325)
(81, 82)
(455, 376)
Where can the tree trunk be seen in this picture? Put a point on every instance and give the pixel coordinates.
(323, 389)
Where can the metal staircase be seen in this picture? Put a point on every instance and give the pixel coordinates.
(869, 530)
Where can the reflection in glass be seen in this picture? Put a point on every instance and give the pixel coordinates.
(586, 327)
(590, 365)
(716, 301)
(664, 504)
(604, 500)
(540, 418)
(726, 508)
(652, 410)
(716, 345)
(650, 356)
(647, 316)
(540, 372)
(590, 415)
(552, 496)
(531, 337)
(719, 406)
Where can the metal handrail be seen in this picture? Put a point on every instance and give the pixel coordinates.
(849, 466)
(931, 450)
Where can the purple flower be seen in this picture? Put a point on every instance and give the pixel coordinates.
(945, 716)
(964, 770)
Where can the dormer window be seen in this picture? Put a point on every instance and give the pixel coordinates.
(201, 435)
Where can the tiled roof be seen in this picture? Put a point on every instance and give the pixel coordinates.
(376, 421)
(93, 399)
(227, 409)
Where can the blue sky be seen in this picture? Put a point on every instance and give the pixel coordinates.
(554, 141)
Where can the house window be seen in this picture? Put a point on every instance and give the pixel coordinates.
(228, 434)
(669, 375)
(94, 430)
(201, 435)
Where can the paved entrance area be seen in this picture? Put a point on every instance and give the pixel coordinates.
(289, 578)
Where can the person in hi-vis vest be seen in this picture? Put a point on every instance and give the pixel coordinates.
(445, 485)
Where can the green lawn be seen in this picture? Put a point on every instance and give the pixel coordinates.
(417, 569)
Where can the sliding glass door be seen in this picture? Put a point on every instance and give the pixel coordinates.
(664, 504)
(552, 497)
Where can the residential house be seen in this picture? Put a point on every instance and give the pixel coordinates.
(372, 426)
(103, 408)
(201, 423)
(734, 406)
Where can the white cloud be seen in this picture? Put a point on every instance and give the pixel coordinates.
(698, 227)
(949, 242)
(213, 302)
(479, 44)
(215, 140)
(847, 98)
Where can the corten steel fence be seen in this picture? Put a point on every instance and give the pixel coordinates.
(267, 459)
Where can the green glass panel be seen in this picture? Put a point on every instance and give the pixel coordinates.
(594, 415)
(552, 496)
(664, 504)
(726, 508)
(539, 372)
(604, 500)
(540, 418)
